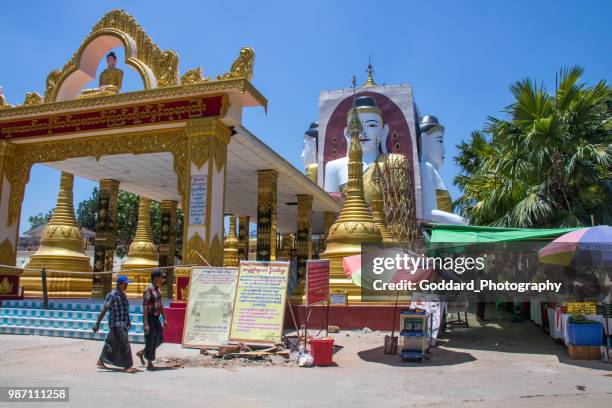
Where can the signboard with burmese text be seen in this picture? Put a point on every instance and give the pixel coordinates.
(209, 308)
(317, 281)
(259, 306)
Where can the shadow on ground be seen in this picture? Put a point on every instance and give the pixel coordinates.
(499, 333)
(438, 357)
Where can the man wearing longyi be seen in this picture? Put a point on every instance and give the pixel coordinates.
(116, 350)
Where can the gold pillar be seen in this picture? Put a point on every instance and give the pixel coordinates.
(355, 224)
(167, 243)
(329, 218)
(142, 252)
(303, 241)
(106, 236)
(12, 184)
(61, 249)
(243, 237)
(266, 214)
(230, 245)
(204, 191)
(303, 245)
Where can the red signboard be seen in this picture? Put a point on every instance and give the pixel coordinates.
(317, 281)
(115, 117)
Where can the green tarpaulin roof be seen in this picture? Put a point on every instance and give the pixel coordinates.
(447, 233)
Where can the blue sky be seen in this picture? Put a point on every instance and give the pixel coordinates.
(460, 56)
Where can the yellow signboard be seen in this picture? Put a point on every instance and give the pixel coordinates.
(259, 307)
(581, 308)
(209, 310)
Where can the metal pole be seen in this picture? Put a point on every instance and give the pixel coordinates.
(44, 289)
(327, 319)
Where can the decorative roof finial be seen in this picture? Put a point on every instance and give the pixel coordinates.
(370, 81)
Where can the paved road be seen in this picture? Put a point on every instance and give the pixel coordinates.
(516, 365)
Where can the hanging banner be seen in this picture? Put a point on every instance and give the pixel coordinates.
(259, 307)
(209, 309)
(317, 281)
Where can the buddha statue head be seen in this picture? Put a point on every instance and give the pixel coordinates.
(111, 60)
(309, 148)
(432, 141)
(375, 131)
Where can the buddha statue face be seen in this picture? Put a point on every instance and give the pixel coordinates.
(432, 141)
(433, 147)
(309, 151)
(432, 144)
(111, 60)
(309, 147)
(375, 131)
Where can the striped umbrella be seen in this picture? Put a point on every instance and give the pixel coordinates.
(584, 247)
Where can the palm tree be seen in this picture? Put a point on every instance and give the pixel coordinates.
(549, 164)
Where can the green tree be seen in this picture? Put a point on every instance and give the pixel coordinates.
(127, 218)
(87, 210)
(39, 219)
(548, 164)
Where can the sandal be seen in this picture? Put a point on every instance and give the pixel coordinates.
(140, 355)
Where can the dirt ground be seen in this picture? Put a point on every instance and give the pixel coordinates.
(498, 363)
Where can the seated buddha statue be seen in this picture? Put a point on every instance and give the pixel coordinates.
(309, 151)
(373, 145)
(437, 204)
(110, 80)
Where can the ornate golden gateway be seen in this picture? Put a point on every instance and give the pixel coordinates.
(119, 24)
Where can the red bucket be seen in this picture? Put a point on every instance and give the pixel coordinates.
(322, 351)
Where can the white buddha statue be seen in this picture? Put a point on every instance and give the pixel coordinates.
(309, 151)
(437, 205)
(373, 145)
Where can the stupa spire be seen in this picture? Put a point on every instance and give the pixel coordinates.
(370, 81)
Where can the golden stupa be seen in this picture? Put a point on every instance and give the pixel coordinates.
(142, 252)
(355, 225)
(61, 249)
(230, 245)
(378, 213)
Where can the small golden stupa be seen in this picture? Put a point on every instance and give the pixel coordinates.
(142, 252)
(61, 249)
(230, 245)
(355, 224)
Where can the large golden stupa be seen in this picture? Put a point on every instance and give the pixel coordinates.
(61, 249)
(355, 224)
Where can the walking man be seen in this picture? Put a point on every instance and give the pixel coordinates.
(116, 350)
(153, 308)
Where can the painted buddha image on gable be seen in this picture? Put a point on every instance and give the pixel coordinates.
(386, 132)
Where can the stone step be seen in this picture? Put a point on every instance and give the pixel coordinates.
(87, 306)
(74, 333)
(54, 323)
(60, 314)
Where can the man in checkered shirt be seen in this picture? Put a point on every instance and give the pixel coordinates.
(116, 350)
